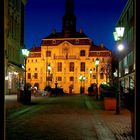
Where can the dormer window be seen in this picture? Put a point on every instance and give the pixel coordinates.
(77, 41)
(54, 41)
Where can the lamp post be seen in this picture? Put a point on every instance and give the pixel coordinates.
(96, 64)
(90, 71)
(25, 53)
(81, 78)
(118, 34)
(49, 69)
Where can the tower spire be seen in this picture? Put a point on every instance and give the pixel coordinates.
(69, 19)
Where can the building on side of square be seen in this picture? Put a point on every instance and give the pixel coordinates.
(69, 55)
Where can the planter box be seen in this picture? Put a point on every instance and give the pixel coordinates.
(109, 103)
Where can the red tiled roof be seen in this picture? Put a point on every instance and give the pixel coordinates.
(35, 49)
(98, 48)
(83, 41)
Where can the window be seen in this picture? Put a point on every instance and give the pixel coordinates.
(36, 60)
(59, 67)
(125, 62)
(29, 69)
(71, 78)
(82, 68)
(54, 41)
(48, 53)
(35, 69)
(101, 76)
(94, 76)
(102, 59)
(29, 75)
(71, 66)
(59, 78)
(35, 75)
(130, 58)
(77, 41)
(82, 53)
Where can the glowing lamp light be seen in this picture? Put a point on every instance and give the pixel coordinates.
(49, 67)
(82, 78)
(90, 71)
(25, 52)
(6, 78)
(120, 47)
(97, 61)
(116, 38)
(119, 31)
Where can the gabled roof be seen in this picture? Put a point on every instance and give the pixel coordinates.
(98, 48)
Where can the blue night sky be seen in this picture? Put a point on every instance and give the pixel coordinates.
(97, 18)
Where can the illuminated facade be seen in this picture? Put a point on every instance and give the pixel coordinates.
(13, 43)
(64, 57)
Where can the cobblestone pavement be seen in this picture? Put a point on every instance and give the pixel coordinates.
(53, 118)
(65, 118)
(120, 124)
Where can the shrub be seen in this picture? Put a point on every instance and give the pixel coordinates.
(108, 91)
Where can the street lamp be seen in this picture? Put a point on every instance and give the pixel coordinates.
(118, 34)
(49, 69)
(81, 78)
(90, 71)
(25, 53)
(97, 61)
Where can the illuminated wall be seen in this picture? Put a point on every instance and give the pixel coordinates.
(65, 56)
